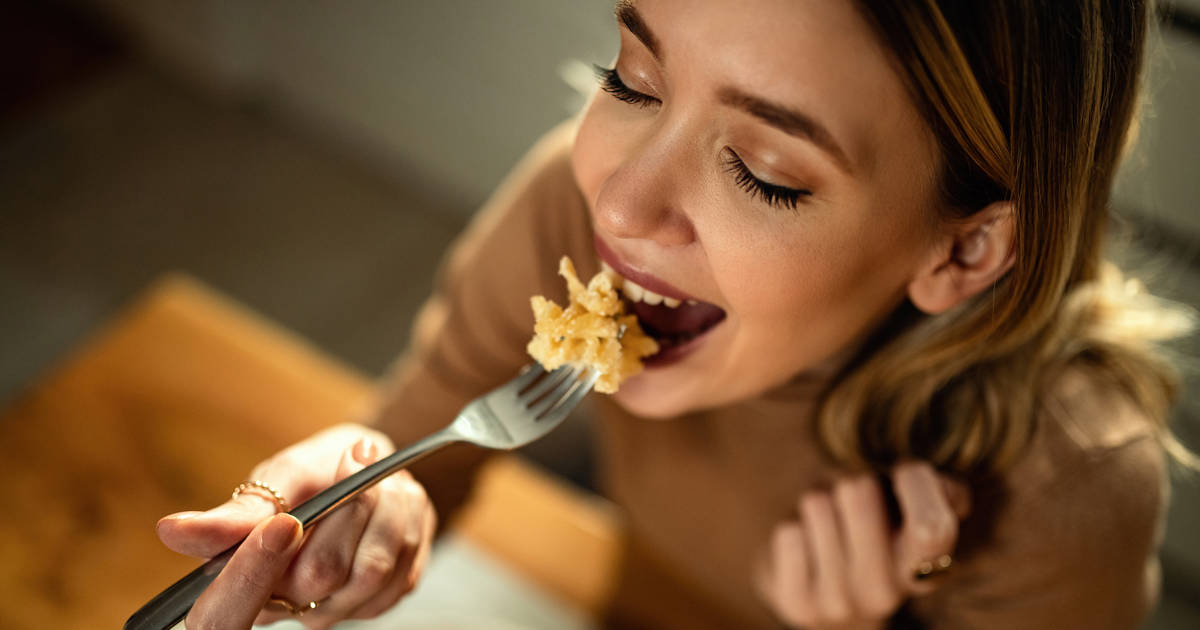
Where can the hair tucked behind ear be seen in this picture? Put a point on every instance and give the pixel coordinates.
(963, 388)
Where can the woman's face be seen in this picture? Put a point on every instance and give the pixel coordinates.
(761, 157)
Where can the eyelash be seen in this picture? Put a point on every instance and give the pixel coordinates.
(611, 82)
(775, 196)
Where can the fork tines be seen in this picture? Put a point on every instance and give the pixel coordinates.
(559, 391)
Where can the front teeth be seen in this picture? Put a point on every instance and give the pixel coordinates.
(633, 291)
(636, 292)
(651, 297)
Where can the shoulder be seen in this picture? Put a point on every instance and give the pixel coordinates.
(1068, 536)
(1090, 433)
(1087, 502)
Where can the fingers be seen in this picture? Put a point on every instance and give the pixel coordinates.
(358, 562)
(363, 558)
(205, 534)
(828, 556)
(786, 583)
(841, 563)
(378, 550)
(929, 526)
(296, 472)
(391, 559)
(862, 511)
(324, 562)
(240, 591)
(834, 566)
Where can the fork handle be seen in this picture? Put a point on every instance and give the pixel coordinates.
(172, 605)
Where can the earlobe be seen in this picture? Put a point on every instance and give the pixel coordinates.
(974, 256)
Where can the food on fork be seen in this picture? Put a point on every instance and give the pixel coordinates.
(593, 330)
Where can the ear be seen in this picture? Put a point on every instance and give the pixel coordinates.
(971, 257)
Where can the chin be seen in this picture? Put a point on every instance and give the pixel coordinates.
(641, 397)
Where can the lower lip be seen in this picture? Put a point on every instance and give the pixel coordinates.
(675, 354)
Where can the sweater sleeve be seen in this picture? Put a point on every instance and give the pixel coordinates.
(1071, 540)
(470, 336)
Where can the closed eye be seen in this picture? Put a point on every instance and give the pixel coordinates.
(774, 195)
(610, 81)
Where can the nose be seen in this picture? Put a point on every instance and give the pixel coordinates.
(641, 197)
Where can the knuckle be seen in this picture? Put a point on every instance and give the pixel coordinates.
(406, 489)
(413, 490)
(813, 504)
(878, 602)
(933, 532)
(924, 532)
(411, 542)
(326, 573)
(364, 504)
(373, 570)
(408, 583)
(852, 484)
(835, 611)
(414, 536)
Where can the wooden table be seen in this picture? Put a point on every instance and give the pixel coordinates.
(166, 409)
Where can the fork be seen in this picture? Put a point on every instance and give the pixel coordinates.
(512, 415)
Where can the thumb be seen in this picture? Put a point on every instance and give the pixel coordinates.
(241, 589)
(206, 534)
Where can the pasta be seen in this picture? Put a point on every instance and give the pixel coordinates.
(592, 331)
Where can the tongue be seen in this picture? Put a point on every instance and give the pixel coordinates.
(685, 320)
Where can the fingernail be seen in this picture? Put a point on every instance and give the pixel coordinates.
(365, 451)
(280, 533)
(180, 516)
(175, 518)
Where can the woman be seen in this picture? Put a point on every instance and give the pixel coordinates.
(888, 218)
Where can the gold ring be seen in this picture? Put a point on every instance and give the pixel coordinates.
(292, 609)
(929, 568)
(280, 502)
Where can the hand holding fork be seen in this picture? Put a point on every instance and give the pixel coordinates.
(232, 587)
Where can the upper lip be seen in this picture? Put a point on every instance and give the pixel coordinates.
(642, 278)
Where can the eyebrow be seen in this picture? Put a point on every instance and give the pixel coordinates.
(629, 16)
(787, 120)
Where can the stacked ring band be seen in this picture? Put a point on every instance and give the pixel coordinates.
(255, 484)
(293, 609)
(930, 568)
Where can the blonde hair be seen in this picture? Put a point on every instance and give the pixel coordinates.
(963, 388)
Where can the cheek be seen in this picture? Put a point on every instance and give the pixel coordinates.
(824, 285)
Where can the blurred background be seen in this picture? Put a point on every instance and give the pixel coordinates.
(313, 160)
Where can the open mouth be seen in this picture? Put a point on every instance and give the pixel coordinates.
(675, 320)
(672, 324)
